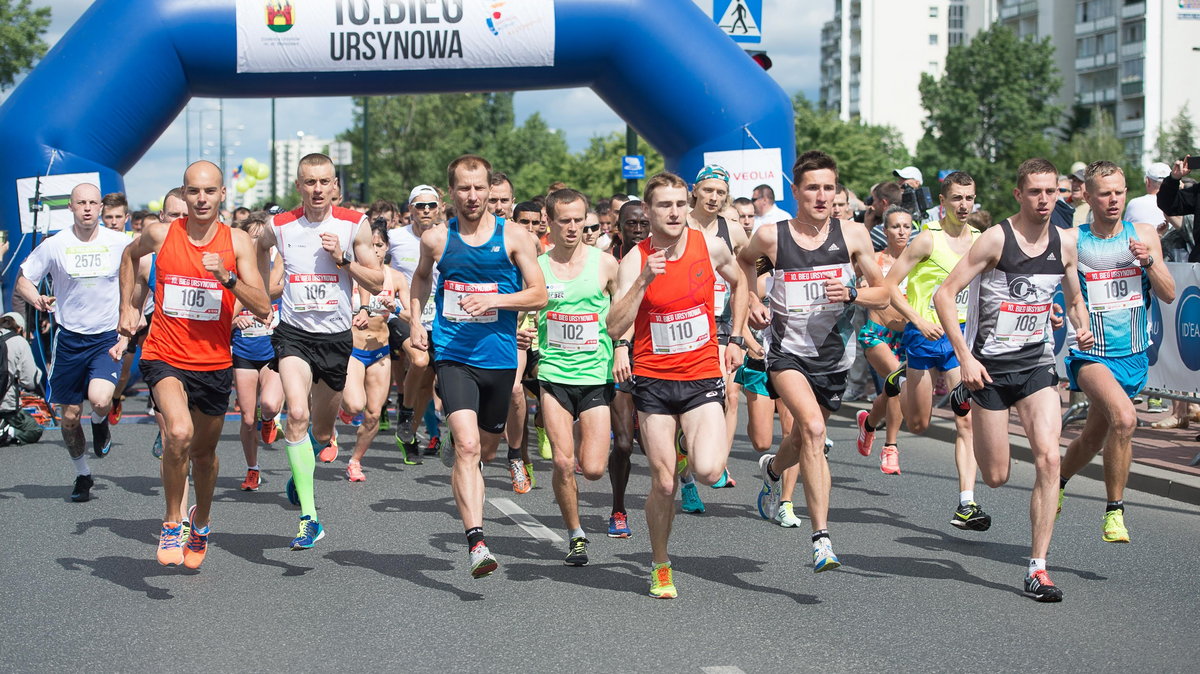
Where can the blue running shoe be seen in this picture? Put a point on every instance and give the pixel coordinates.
(726, 481)
(293, 496)
(770, 495)
(691, 498)
(618, 526)
(157, 449)
(310, 532)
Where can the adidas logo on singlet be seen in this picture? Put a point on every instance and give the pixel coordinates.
(833, 246)
(1051, 257)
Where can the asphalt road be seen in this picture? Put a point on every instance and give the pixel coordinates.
(389, 588)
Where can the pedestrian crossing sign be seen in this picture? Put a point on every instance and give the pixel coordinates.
(740, 19)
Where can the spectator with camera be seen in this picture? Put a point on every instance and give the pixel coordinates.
(17, 427)
(1175, 200)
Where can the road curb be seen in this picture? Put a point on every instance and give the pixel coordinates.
(1169, 484)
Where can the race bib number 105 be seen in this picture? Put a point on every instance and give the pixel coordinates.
(195, 299)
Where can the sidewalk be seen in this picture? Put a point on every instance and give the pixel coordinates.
(1160, 457)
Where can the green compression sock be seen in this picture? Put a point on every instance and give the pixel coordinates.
(303, 464)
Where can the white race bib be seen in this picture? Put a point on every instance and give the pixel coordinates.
(88, 261)
(720, 297)
(314, 292)
(257, 328)
(454, 292)
(804, 291)
(961, 301)
(429, 311)
(1022, 323)
(556, 291)
(376, 305)
(194, 299)
(1113, 289)
(679, 331)
(573, 332)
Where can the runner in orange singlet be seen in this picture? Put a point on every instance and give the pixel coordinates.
(665, 286)
(202, 267)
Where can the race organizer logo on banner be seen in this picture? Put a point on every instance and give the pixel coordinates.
(49, 196)
(749, 169)
(281, 36)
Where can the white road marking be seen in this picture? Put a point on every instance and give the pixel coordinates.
(525, 520)
(723, 669)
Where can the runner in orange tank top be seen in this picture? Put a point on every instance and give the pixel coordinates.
(202, 267)
(666, 289)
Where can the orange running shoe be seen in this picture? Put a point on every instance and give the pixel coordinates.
(252, 481)
(330, 452)
(354, 472)
(114, 412)
(269, 431)
(520, 479)
(170, 545)
(197, 543)
(344, 417)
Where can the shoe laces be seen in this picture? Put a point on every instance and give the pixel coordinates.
(307, 528)
(169, 540)
(620, 521)
(1042, 578)
(197, 542)
(662, 576)
(578, 545)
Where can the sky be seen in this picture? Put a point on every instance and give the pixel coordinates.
(791, 35)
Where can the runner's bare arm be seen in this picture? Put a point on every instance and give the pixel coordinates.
(133, 284)
(918, 249)
(1148, 247)
(633, 276)
(400, 292)
(1069, 242)
(365, 267)
(433, 242)
(523, 251)
(276, 291)
(249, 288)
(983, 255)
(724, 262)
(862, 254)
(763, 242)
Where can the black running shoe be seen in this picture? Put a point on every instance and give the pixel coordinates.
(404, 431)
(83, 489)
(971, 516)
(101, 438)
(892, 382)
(578, 554)
(1039, 587)
(411, 453)
(960, 400)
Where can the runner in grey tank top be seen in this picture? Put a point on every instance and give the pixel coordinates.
(1006, 357)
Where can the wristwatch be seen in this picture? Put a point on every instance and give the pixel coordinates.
(739, 340)
(1149, 262)
(231, 281)
(345, 259)
(622, 342)
(853, 295)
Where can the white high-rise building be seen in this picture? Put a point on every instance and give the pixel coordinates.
(1137, 60)
(873, 53)
(286, 161)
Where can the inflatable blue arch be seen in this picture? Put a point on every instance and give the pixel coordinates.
(117, 79)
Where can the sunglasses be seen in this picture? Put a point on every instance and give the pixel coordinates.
(1064, 190)
(425, 204)
(591, 228)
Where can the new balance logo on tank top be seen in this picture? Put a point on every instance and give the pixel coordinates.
(487, 341)
(1008, 326)
(316, 292)
(1116, 291)
(804, 323)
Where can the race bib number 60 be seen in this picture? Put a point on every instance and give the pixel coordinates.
(195, 299)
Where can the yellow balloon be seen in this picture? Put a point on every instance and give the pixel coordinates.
(242, 185)
(263, 172)
(155, 205)
(249, 165)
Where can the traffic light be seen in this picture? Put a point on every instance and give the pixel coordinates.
(761, 58)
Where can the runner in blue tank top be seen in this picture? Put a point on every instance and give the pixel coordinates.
(488, 273)
(1007, 356)
(1117, 273)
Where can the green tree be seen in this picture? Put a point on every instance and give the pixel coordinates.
(866, 154)
(1096, 141)
(596, 170)
(990, 110)
(21, 31)
(1176, 140)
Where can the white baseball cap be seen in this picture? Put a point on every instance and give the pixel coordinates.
(16, 318)
(419, 190)
(1158, 171)
(910, 173)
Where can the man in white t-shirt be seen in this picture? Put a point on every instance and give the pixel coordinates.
(82, 262)
(1145, 208)
(765, 210)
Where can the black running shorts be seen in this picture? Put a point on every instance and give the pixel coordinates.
(667, 396)
(578, 398)
(1006, 389)
(487, 392)
(207, 390)
(827, 388)
(326, 354)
